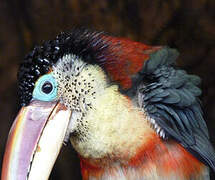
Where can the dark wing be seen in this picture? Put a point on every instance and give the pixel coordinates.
(170, 97)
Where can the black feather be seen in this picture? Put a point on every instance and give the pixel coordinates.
(83, 43)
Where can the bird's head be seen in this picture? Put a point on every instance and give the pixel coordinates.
(67, 87)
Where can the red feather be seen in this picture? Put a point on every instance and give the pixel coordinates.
(169, 158)
(125, 58)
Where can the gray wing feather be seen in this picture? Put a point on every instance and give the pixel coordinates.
(171, 99)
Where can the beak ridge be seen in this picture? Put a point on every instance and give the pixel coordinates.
(34, 141)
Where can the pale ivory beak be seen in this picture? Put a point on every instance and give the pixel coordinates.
(34, 141)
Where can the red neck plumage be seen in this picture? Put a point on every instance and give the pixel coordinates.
(157, 158)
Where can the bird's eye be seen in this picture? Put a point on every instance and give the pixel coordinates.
(45, 88)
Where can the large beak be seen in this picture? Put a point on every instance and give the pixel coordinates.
(34, 141)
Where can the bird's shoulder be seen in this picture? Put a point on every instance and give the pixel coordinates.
(170, 97)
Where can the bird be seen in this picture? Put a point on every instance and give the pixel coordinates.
(128, 110)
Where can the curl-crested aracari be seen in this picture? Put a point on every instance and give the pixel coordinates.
(127, 109)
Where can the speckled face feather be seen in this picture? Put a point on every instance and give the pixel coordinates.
(79, 84)
(80, 42)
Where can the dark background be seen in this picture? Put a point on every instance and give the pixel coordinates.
(186, 25)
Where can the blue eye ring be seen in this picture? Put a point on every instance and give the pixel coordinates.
(45, 88)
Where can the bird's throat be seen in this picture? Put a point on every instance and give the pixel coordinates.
(122, 144)
(115, 128)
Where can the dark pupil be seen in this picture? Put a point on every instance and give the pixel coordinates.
(47, 87)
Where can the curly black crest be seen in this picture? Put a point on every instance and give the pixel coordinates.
(84, 43)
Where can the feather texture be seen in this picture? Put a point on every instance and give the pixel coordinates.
(171, 99)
